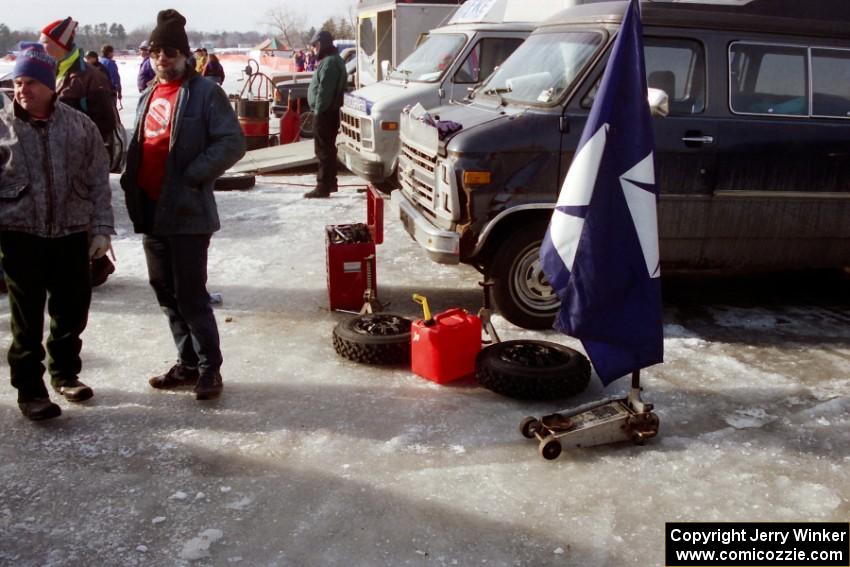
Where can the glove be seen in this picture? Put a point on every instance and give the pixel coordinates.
(100, 245)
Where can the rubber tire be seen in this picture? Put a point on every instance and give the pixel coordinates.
(235, 182)
(353, 344)
(510, 378)
(388, 185)
(512, 257)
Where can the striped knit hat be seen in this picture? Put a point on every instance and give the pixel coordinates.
(34, 62)
(62, 32)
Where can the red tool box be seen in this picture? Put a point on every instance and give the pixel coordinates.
(348, 247)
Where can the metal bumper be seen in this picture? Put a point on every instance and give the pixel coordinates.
(372, 171)
(442, 246)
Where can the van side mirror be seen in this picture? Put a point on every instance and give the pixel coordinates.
(658, 102)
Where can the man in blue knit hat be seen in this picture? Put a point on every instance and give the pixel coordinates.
(56, 215)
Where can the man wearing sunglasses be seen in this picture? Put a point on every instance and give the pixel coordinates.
(186, 135)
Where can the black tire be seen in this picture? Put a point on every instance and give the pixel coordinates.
(520, 290)
(532, 370)
(389, 184)
(235, 182)
(377, 338)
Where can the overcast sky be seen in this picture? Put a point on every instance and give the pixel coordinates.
(202, 15)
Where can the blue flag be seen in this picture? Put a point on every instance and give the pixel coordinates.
(600, 252)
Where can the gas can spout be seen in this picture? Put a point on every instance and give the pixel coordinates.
(426, 311)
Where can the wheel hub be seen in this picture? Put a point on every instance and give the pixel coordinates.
(382, 325)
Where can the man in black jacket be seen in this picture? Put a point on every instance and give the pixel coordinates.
(186, 136)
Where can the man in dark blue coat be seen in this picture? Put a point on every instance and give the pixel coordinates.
(186, 135)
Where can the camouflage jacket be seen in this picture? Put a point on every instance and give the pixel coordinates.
(57, 181)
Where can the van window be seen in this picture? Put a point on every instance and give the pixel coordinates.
(769, 79)
(484, 58)
(541, 70)
(676, 66)
(430, 60)
(831, 82)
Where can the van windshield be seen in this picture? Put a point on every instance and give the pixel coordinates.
(542, 68)
(431, 59)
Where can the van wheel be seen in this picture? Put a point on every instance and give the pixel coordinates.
(375, 338)
(388, 185)
(522, 293)
(532, 370)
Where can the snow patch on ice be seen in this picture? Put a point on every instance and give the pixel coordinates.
(749, 418)
(199, 547)
(179, 495)
(240, 504)
(158, 520)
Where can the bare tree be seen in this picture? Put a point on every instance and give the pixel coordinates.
(286, 23)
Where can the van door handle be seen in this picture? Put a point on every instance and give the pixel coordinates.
(702, 140)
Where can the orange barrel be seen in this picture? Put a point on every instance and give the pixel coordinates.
(254, 119)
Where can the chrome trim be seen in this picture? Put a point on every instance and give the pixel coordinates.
(482, 239)
(442, 246)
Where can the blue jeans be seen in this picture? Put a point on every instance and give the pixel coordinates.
(177, 269)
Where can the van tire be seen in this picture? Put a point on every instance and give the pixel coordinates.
(520, 290)
(374, 338)
(532, 370)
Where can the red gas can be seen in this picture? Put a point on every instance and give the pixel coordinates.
(445, 350)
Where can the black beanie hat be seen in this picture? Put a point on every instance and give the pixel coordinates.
(170, 31)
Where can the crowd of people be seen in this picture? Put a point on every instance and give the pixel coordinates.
(58, 224)
(61, 217)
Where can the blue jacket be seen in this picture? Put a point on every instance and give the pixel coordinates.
(206, 139)
(114, 76)
(146, 74)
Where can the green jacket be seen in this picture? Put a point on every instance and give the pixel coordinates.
(328, 84)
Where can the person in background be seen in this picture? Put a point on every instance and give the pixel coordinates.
(299, 60)
(79, 86)
(213, 69)
(49, 231)
(168, 187)
(200, 59)
(146, 72)
(310, 61)
(107, 52)
(325, 98)
(93, 60)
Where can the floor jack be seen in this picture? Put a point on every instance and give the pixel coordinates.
(597, 423)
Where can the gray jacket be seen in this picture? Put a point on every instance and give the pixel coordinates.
(206, 139)
(57, 182)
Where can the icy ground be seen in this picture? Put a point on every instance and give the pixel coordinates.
(309, 460)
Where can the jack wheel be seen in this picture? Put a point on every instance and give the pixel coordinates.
(550, 448)
(528, 426)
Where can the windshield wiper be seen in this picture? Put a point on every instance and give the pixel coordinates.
(498, 92)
